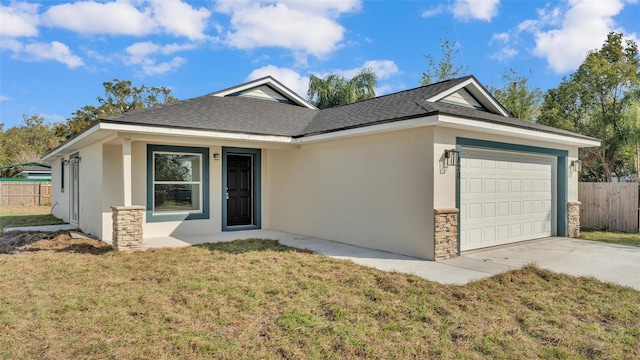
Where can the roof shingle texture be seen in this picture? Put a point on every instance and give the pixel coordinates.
(254, 116)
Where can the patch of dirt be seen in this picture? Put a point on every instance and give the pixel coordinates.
(61, 241)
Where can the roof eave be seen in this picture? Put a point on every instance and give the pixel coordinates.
(485, 126)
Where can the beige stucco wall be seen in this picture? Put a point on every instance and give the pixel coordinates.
(59, 199)
(370, 191)
(91, 186)
(112, 191)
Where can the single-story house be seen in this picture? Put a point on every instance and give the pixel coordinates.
(390, 173)
(31, 170)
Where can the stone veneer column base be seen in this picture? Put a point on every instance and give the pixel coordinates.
(573, 223)
(445, 233)
(127, 227)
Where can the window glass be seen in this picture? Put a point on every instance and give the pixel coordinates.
(177, 167)
(177, 184)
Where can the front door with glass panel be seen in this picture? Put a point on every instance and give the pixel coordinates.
(239, 189)
(74, 170)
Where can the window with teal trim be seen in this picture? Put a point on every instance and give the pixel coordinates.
(178, 183)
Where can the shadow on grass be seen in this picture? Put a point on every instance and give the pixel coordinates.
(29, 220)
(250, 245)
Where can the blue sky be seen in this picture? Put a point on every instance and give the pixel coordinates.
(54, 55)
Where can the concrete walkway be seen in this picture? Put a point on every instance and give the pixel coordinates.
(43, 228)
(614, 263)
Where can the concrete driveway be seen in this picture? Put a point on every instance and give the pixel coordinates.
(614, 263)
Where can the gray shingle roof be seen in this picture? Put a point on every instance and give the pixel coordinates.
(229, 114)
(254, 116)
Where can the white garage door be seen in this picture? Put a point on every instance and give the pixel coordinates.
(504, 197)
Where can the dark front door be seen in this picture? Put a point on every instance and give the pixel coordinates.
(239, 189)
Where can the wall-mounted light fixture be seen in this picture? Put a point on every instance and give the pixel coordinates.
(65, 162)
(576, 165)
(451, 158)
(216, 156)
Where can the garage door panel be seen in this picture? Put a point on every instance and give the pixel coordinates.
(513, 203)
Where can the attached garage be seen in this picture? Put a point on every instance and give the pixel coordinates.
(506, 197)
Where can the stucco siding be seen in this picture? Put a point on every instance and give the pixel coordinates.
(372, 191)
(59, 199)
(112, 192)
(91, 182)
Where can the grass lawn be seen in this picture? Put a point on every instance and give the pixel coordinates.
(611, 237)
(27, 216)
(258, 299)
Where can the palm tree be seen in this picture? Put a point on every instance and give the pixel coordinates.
(335, 90)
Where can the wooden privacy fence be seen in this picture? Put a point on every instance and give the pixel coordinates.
(24, 193)
(610, 206)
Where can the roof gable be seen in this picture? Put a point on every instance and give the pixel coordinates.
(471, 86)
(464, 98)
(266, 88)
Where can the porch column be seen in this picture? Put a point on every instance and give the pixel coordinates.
(127, 220)
(126, 170)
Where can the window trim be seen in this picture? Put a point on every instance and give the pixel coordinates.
(203, 213)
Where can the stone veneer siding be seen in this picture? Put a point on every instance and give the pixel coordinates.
(573, 224)
(446, 233)
(127, 227)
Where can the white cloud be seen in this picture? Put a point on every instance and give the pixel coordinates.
(504, 54)
(41, 51)
(136, 18)
(90, 17)
(52, 51)
(5, 98)
(290, 78)
(180, 18)
(475, 9)
(19, 19)
(144, 54)
(304, 27)
(158, 69)
(565, 33)
(584, 27)
(434, 11)
(382, 68)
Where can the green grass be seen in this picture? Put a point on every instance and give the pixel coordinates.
(611, 237)
(258, 299)
(27, 216)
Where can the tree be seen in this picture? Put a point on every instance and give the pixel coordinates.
(26, 142)
(120, 96)
(596, 101)
(335, 90)
(444, 69)
(518, 96)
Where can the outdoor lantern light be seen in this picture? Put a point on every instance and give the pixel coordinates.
(216, 156)
(451, 157)
(576, 165)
